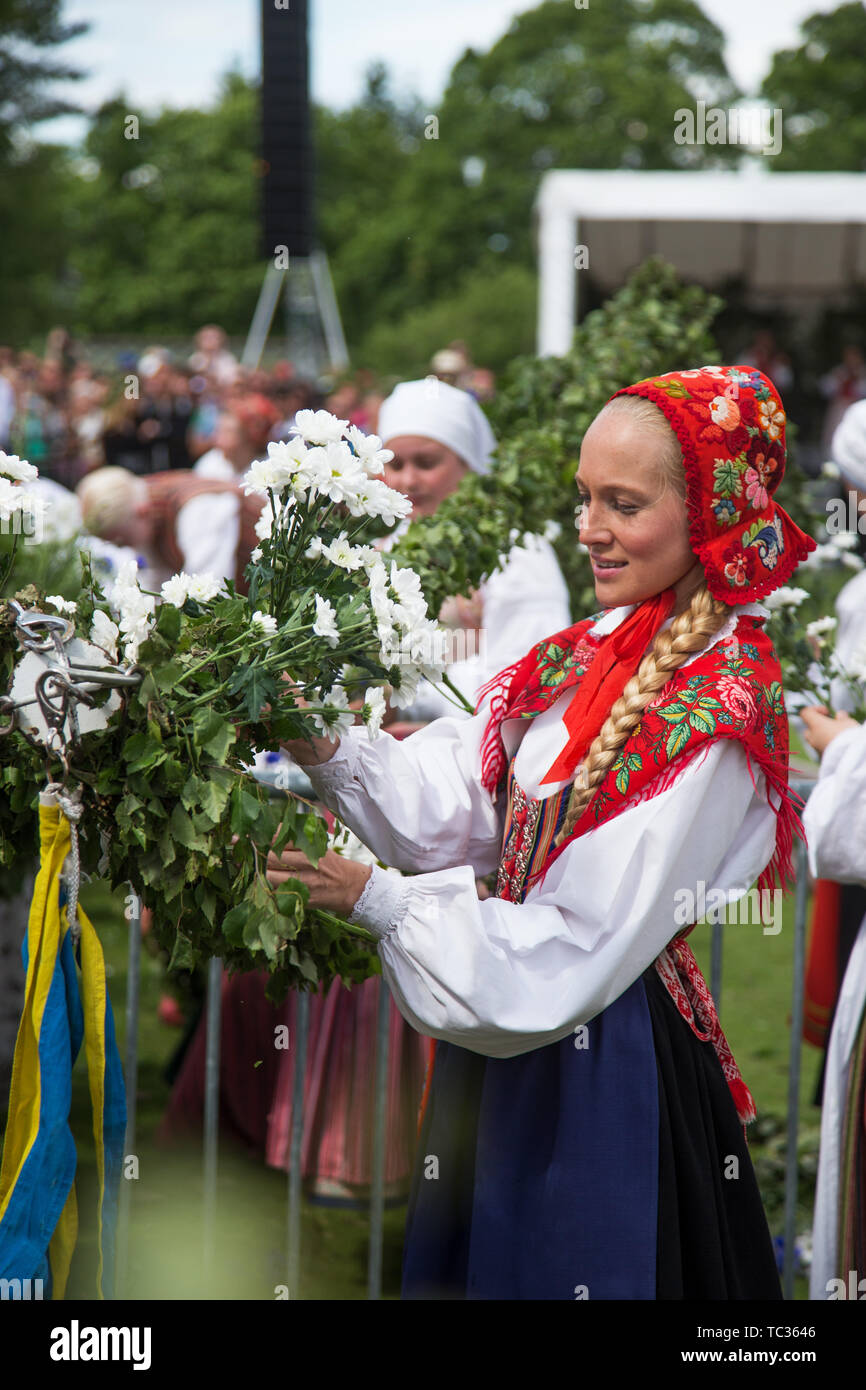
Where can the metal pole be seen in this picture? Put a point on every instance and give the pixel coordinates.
(211, 1105)
(377, 1190)
(260, 327)
(302, 1030)
(329, 313)
(797, 997)
(133, 979)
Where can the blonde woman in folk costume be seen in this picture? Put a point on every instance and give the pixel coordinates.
(584, 1105)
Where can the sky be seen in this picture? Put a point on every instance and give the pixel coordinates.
(173, 52)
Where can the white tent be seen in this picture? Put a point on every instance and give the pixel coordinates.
(794, 238)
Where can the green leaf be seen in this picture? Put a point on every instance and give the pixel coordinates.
(672, 713)
(213, 733)
(234, 922)
(183, 953)
(168, 620)
(677, 739)
(703, 722)
(183, 830)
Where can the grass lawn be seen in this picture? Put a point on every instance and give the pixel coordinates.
(251, 1238)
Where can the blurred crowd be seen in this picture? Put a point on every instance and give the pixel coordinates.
(156, 412)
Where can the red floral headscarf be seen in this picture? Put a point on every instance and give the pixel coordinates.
(731, 428)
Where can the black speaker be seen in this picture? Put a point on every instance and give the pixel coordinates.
(286, 134)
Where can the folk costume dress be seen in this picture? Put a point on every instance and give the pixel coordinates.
(583, 1106)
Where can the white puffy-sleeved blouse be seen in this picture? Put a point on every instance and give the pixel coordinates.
(502, 978)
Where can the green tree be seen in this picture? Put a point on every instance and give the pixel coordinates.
(32, 177)
(820, 88)
(595, 88)
(28, 29)
(165, 217)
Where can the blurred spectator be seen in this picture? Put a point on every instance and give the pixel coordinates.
(212, 357)
(841, 387)
(7, 398)
(242, 435)
(164, 416)
(175, 520)
(481, 384)
(121, 445)
(766, 356)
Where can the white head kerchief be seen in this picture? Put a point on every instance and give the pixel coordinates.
(848, 447)
(435, 410)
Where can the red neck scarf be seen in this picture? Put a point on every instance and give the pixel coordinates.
(619, 655)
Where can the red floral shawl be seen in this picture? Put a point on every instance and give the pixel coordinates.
(732, 690)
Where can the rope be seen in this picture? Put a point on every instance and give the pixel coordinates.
(70, 805)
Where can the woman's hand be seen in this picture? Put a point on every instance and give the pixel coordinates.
(821, 729)
(306, 753)
(335, 884)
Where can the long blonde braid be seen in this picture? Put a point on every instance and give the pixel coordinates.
(688, 633)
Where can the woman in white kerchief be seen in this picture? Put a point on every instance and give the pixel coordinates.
(437, 434)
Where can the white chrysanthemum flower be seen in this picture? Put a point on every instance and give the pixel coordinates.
(373, 711)
(852, 561)
(288, 454)
(785, 598)
(127, 575)
(820, 626)
(336, 704)
(265, 474)
(204, 587)
(176, 590)
(830, 469)
(406, 583)
(552, 531)
(368, 555)
(369, 449)
(63, 605)
(256, 555)
(843, 540)
(340, 552)
(14, 499)
(409, 681)
(337, 472)
(315, 548)
(104, 633)
(319, 426)
(266, 621)
(372, 497)
(326, 621)
(19, 469)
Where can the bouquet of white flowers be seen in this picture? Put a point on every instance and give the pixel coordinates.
(169, 804)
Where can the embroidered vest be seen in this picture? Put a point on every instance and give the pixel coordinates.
(731, 690)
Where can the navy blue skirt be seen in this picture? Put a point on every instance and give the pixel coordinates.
(611, 1165)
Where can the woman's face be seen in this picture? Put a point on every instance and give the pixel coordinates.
(424, 470)
(635, 529)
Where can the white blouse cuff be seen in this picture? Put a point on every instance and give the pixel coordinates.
(339, 768)
(383, 902)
